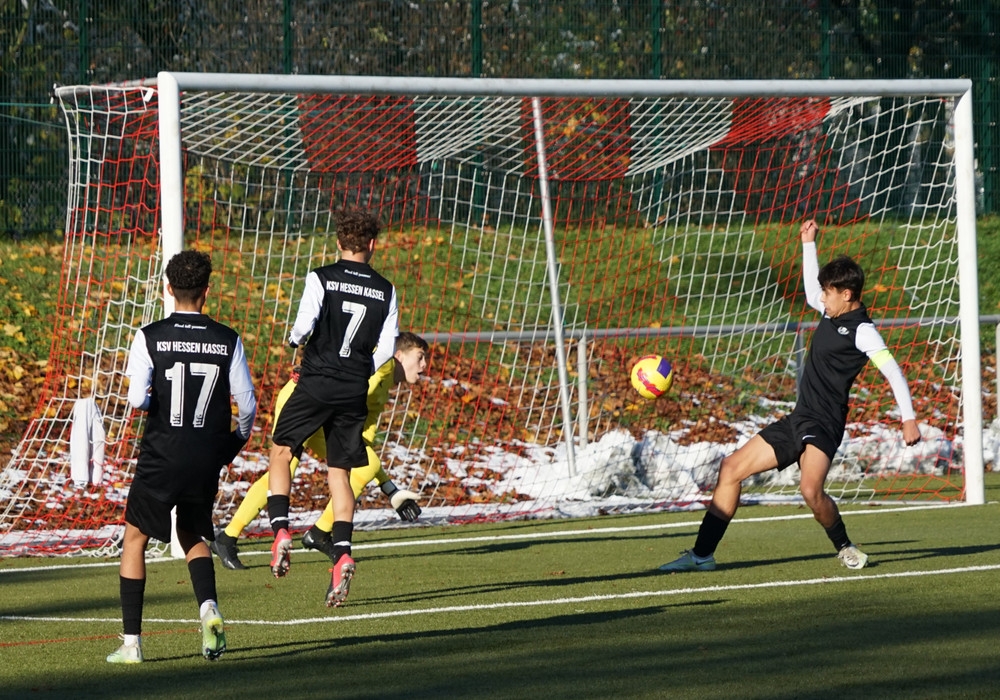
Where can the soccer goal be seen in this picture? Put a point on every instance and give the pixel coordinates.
(543, 235)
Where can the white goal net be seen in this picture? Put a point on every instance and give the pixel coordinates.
(542, 235)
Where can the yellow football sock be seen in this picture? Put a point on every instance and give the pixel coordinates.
(360, 476)
(325, 522)
(253, 503)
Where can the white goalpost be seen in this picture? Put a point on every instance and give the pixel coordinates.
(542, 235)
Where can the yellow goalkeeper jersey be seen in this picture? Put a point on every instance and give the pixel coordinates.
(379, 385)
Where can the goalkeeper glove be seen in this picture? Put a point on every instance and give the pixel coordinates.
(405, 502)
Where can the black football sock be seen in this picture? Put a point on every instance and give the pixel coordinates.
(709, 535)
(277, 511)
(132, 591)
(202, 574)
(342, 532)
(838, 534)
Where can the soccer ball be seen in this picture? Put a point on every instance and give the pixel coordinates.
(652, 376)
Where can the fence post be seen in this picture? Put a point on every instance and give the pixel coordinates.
(476, 32)
(656, 34)
(800, 356)
(83, 50)
(287, 38)
(583, 411)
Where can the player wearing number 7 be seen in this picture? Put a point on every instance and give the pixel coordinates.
(182, 371)
(844, 342)
(348, 319)
(408, 363)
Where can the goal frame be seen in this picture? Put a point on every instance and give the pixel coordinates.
(170, 85)
(602, 220)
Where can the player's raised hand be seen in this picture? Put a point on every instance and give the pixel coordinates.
(808, 230)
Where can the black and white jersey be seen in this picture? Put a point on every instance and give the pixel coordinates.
(840, 349)
(832, 364)
(350, 316)
(190, 365)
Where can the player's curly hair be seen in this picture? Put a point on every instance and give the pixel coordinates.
(843, 273)
(188, 274)
(356, 228)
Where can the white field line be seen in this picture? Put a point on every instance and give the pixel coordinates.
(548, 602)
(451, 541)
(645, 595)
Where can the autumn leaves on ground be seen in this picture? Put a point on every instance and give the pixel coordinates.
(29, 278)
(700, 401)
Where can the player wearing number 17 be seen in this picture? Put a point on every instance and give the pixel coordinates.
(182, 371)
(843, 343)
(349, 319)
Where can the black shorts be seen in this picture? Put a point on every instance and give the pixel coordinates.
(790, 435)
(342, 418)
(152, 516)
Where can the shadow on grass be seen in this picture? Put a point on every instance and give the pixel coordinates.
(294, 648)
(833, 645)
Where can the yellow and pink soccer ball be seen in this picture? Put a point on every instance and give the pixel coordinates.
(652, 376)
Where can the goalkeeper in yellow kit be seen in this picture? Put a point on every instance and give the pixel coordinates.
(408, 363)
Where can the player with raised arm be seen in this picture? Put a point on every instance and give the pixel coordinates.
(406, 366)
(182, 371)
(844, 342)
(348, 318)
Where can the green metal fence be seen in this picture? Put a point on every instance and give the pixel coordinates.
(44, 42)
